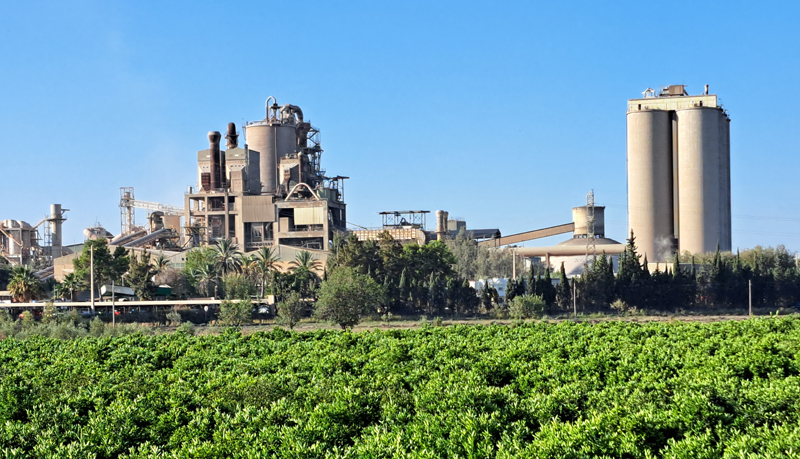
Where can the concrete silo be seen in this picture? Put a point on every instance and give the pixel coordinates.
(678, 173)
(273, 138)
(650, 207)
(699, 210)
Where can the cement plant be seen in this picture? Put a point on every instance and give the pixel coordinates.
(271, 190)
(267, 195)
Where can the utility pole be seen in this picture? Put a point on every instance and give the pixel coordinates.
(750, 295)
(113, 311)
(574, 300)
(514, 264)
(91, 274)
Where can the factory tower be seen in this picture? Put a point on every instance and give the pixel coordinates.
(271, 192)
(679, 187)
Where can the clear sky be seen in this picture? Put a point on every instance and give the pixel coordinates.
(503, 113)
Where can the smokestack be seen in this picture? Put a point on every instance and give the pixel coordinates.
(55, 220)
(706, 90)
(232, 139)
(441, 225)
(213, 146)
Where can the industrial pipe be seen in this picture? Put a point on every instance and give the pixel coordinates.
(296, 110)
(213, 146)
(608, 249)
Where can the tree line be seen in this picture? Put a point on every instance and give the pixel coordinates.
(689, 283)
(387, 278)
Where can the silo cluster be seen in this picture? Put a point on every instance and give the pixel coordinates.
(678, 152)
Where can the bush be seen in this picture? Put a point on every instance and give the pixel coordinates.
(48, 312)
(346, 295)
(498, 311)
(174, 317)
(97, 327)
(291, 310)
(236, 313)
(186, 328)
(526, 307)
(622, 307)
(27, 319)
(238, 286)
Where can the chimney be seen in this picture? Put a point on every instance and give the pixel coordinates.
(213, 146)
(232, 138)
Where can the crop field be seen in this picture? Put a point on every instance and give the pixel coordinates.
(614, 389)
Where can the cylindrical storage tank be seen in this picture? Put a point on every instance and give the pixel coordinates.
(699, 180)
(272, 141)
(580, 217)
(725, 182)
(13, 248)
(440, 225)
(650, 210)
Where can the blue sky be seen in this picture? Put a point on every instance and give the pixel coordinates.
(503, 113)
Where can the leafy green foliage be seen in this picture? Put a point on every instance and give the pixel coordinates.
(236, 313)
(140, 276)
(238, 286)
(108, 266)
(346, 295)
(671, 390)
(526, 307)
(416, 278)
(24, 286)
(291, 310)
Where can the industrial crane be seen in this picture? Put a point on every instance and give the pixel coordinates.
(127, 202)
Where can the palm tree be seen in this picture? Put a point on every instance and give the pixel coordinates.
(72, 284)
(206, 276)
(265, 263)
(249, 265)
(304, 266)
(304, 261)
(228, 256)
(24, 285)
(161, 263)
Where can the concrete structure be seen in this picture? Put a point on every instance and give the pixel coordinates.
(22, 243)
(271, 192)
(407, 226)
(573, 251)
(678, 152)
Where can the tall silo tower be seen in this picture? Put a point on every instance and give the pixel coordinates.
(650, 209)
(678, 173)
(273, 137)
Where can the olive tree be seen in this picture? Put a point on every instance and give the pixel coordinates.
(291, 310)
(346, 295)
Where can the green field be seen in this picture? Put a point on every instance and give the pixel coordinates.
(622, 390)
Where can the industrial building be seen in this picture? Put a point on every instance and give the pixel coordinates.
(22, 243)
(408, 226)
(678, 167)
(271, 192)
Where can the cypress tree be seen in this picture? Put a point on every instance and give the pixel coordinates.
(548, 290)
(676, 267)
